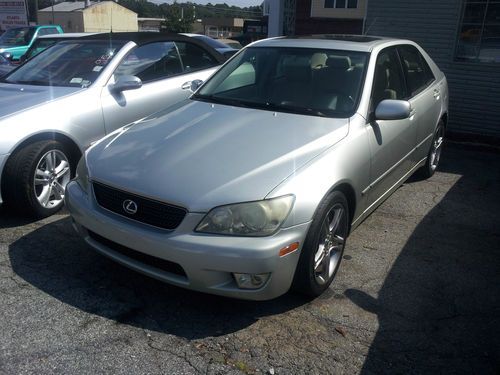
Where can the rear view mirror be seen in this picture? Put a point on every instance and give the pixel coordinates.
(126, 82)
(390, 109)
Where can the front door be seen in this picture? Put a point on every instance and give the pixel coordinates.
(391, 141)
(163, 76)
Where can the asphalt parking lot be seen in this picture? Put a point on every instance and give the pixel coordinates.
(418, 292)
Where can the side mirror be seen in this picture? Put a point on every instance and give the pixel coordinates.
(126, 82)
(195, 84)
(7, 55)
(392, 110)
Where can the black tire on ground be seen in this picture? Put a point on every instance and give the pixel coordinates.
(307, 279)
(434, 154)
(18, 184)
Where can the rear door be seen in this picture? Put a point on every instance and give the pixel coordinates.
(425, 96)
(164, 75)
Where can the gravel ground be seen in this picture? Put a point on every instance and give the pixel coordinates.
(418, 292)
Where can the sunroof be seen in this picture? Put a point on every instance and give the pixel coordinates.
(342, 37)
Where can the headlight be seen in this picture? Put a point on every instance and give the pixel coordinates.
(261, 218)
(82, 174)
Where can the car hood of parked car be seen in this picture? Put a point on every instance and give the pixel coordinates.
(204, 155)
(15, 98)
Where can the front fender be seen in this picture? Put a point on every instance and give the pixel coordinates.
(346, 162)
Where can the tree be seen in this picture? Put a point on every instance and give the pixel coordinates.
(179, 19)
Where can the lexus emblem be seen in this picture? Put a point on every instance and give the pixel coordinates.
(129, 206)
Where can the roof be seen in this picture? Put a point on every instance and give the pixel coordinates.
(75, 6)
(361, 43)
(65, 35)
(66, 6)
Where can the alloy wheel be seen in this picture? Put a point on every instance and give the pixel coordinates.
(331, 244)
(52, 174)
(437, 145)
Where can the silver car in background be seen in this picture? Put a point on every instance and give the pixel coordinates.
(254, 185)
(63, 99)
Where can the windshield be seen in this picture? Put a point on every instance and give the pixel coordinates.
(319, 82)
(38, 46)
(67, 64)
(20, 36)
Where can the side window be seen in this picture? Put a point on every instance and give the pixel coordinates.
(151, 62)
(47, 31)
(194, 57)
(388, 81)
(417, 71)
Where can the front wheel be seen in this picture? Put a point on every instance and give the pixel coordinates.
(35, 178)
(324, 246)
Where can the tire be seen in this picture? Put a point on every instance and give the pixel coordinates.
(434, 154)
(38, 194)
(317, 265)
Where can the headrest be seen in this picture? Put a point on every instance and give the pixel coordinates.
(339, 62)
(318, 60)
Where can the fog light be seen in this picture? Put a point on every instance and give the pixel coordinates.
(251, 280)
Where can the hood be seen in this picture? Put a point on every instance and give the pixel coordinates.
(204, 155)
(15, 98)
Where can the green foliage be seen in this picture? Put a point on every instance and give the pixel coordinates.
(173, 12)
(178, 19)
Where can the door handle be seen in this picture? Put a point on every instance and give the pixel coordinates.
(186, 85)
(437, 93)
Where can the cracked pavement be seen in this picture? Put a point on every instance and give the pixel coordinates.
(417, 293)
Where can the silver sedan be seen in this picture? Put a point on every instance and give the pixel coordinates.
(253, 186)
(60, 101)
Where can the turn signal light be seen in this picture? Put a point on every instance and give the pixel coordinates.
(289, 249)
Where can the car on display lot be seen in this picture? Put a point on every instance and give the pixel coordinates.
(5, 64)
(231, 43)
(17, 40)
(72, 94)
(43, 42)
(254, 185)
(221, 47)
(40, 44)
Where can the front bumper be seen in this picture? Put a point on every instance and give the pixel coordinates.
(207, 260)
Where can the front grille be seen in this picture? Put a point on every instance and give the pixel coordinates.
(149, 211)
(149, 260)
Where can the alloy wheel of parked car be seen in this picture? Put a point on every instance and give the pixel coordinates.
(35, 178)
(434, 152)
(324, 246)
(51, 176)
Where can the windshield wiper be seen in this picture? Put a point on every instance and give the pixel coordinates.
(294, 109)
(28, 82)
(222, 100)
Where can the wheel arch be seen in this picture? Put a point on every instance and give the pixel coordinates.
(347, 189)
(75, 150)
(444, 118)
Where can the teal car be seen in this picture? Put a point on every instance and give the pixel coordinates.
(17, 40)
